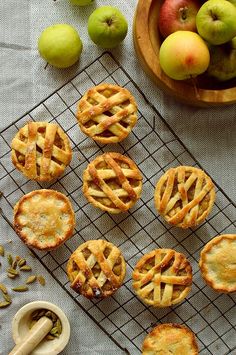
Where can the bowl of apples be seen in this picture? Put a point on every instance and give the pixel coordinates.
(188, 48)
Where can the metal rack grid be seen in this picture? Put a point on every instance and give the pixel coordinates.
(155, 148)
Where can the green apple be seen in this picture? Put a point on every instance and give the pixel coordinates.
(223, 61)
(107, 26)
(216, 21)
(60, 45)
(184, 55)
(81, 2)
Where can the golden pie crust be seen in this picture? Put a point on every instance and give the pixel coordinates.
(112, 182)
(41, 151)
(107, 113)
(169, 338)
(96, 269)
(162, 278)
(184, 196)
(44, 219)
(218, 263)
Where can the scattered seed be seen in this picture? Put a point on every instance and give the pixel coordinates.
(21, 262)
(4, 304)
(21, 288)
(41, 280)
(25, 268)
(3, 288)
(2, 251)
(49, 337)
(31, 279)
(11, 276)
(7, 297)
(9, 259)
(12, 271)
(14, 264)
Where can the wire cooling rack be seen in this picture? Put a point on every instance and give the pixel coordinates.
(155, 148)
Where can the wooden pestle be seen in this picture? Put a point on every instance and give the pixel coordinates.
(33, 337)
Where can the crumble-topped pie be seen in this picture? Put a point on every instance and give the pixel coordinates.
(169, 338)
(41, 151)
(218, 263)
(96, 269)
(44, 219)
(107, 113)
(184, 196)
(162, 277)
(112, 182)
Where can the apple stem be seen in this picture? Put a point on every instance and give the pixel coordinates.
(194, 82)
(46, 66)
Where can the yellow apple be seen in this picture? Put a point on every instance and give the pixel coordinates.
(184, 55)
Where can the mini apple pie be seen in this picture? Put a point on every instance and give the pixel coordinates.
(96, 269)
(44, 219)
(41, 151)
(184, 196)
(107, 113)
(218, 263)
(112, 182)
(162, 278)
(172, 339)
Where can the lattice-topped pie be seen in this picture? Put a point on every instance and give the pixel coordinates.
(172, 339)
(184, 196)
(96, 269)
(112, 182)
(162, 277)
(107, 113)
(41, 151)
(44, 219)
(218, 263)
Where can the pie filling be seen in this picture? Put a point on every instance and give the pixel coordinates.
(58, 142)
(203, 204)
(96, 271)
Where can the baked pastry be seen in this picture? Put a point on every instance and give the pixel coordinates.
(218, 263)
(41, 151)
(162, 277)
(169, 338)
(44, 219)
(112, 182)
(184, 196)
(107, 113)
(96, 269)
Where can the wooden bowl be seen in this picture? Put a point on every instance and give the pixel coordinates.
(204, 91)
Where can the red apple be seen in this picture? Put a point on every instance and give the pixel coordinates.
(178, 15)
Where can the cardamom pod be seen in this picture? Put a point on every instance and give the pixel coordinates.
(21, 288)
(10, 259)
(49, 337)
(59, 326)
(41, 280)
(12, 271)
(21, 262)
(25, 268)
(4, 304)
(31, 279)
(11, 276)
(3, 288)
(2, 251)
(54, 331)
(7, 297)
